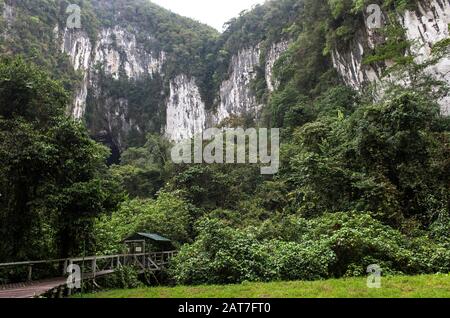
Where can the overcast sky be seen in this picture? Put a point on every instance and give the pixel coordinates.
(212, 12)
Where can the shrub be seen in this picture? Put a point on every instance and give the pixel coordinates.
(168, 215)
(222, 255)
(332, 246)
(294, 261)
(124, 278)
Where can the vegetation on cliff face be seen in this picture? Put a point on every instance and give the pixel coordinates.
(361, 181)
(188, 44)
(190, 48)
(29, 32)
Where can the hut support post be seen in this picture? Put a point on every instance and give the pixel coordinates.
(30, 273)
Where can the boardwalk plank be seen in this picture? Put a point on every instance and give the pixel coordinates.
(40, 288)
(31, 290)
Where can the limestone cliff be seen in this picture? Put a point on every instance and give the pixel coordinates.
(186, 113)
(117, 52)
(131, 82)
(423, 27)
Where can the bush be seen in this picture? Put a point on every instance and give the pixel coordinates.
(358, 240)
(168, 215)
(294, 261)
(123, 278)
(332, 246)
(222, 255)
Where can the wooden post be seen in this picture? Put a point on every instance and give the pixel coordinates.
(30, 273)
(144, 257)
(60, 292)
(94, 267)
(66, 263)
(69, 290)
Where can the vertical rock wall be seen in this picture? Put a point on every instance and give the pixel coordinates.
(424, 27)
(186, 114)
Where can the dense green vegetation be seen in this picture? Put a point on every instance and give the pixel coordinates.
(431, 286)
(362, 181)
(51, 177)
(30, 33)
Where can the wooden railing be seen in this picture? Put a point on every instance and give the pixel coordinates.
(103, 265)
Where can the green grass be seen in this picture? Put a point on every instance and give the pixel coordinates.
(429, 286)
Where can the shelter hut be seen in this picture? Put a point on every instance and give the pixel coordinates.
(141, 243)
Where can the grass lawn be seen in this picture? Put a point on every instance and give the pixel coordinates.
(428, 286)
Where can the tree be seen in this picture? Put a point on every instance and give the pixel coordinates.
(51, 177)
(144, 171)
(168, 215)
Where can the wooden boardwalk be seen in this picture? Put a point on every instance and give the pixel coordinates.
(97, 266)
(31, 289)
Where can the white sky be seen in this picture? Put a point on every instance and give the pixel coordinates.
(212, 12)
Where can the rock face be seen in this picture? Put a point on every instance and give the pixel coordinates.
(117, 50)
(186, 114)
(350, 67)
(276, 50)
(424, 27)
(117, 53)
(79, 48)
(236, 96)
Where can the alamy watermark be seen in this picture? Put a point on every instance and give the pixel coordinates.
(374, 20)
(230, 146)
(74, 278)
(74, 18)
